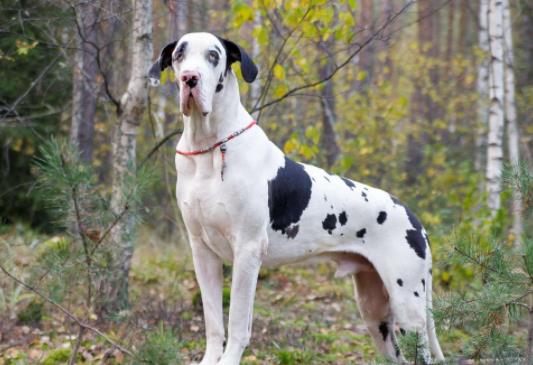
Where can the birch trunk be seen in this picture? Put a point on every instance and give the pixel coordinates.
(482, 85)
(114, 290)
(510, 117)
(496, 114)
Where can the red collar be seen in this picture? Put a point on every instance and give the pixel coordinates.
(219, 143)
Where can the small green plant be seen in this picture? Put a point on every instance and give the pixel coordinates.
(161, 347)
(57, 357)
(494, 303)
(291, 356)
(32, 313)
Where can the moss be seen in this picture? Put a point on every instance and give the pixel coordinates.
(56, 357)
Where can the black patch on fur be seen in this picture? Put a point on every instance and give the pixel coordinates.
(363, 194)
(395, 200)
(219, 88)
(361, 233)
(384, 329)
(292, 231)
(382, 217)
(343, 218)
(430, 272)
(329, 223)
(213, 57)
(181, 49)
(416, 294)
(217, 48)
(325, 198)
(424, 284)
(349, 183)
(325, 177)
(402, 331)
(414, 236)
(288, 196)
(400, 282)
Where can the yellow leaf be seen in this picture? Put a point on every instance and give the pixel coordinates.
(279, 72)
(280, 90)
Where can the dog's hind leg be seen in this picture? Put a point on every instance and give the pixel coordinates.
(373, 301)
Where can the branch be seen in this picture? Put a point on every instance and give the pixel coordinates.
(67, 313)
(32, 85)
(328, 77)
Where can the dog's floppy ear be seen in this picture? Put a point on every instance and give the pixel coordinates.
(236, 53)
(164, 61)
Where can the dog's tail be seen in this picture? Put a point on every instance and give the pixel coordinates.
(430, 323)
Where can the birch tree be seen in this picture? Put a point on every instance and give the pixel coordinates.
(496, 112)
(510, 116)
(482, 84)
(114, 290)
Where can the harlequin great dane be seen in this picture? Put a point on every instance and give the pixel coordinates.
(243, 201)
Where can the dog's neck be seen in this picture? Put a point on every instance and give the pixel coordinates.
(227, 116)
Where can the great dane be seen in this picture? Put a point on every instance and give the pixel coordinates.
(243, 201)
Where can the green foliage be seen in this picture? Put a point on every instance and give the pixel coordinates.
(159, 348)
(31, 314)
(25, 53)
(292, 356)
(57, 357)
(491, 305)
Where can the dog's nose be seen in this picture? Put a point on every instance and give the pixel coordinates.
(190, 78)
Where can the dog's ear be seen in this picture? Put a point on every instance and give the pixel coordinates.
(235, 53)
(164, 61)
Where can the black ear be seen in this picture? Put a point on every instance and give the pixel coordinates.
(236, 53)
(164, 61)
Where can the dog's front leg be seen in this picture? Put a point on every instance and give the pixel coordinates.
(246, 264)
(208, 269)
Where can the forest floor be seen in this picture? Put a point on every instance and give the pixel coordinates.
(303, 315)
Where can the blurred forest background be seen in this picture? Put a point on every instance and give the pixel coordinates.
(431, 100)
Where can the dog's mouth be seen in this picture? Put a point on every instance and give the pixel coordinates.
(190, 100)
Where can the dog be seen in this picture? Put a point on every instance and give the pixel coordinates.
(243, 201)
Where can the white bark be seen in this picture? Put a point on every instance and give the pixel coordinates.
(496, 115)
(510, 117)
(132, 107)
(482, 85)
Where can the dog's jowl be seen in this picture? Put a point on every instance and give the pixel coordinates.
(246, 203)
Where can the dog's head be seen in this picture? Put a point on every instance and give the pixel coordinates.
(201, 63)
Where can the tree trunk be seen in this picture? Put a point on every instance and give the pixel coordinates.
(328, 139)
(84, 81)
(367, 56)
(114, 289)
(496, 115)
(482, 86)
(510, 117)
(255, 87)
(424, 109)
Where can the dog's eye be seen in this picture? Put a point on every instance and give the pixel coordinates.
(178, 56)
(213, 57)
